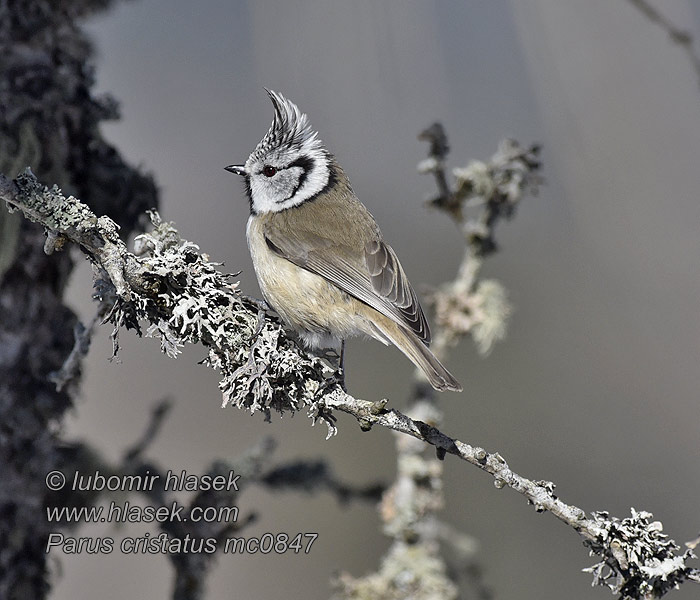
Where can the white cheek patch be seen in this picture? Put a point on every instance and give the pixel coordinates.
(283, 191)
(263, 201)
(293, 148)
(315, 181)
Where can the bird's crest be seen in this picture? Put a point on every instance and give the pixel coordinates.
(290, 129)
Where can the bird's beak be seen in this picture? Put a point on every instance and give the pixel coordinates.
(237, 169)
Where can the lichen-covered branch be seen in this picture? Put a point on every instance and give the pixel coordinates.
(482, 195)
(186, 299)
(251, 468)
(637, 560)
(50, 118)
(414, 565)
(539, 493)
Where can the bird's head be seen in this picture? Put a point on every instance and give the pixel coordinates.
(289, 166)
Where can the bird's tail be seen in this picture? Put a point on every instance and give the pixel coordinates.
(420, 355)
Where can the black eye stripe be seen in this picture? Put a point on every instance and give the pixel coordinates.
(306, 164)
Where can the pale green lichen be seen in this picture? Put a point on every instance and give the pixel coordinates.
(638, 560)
(493, 312)
(484, 192)
(50, 207)
(407, 571)
(494, 189)
(186, 299)
(510, 173)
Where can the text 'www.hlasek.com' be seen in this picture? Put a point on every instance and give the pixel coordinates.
(176, 518)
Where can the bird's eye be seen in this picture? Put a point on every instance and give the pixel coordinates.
(269, 170)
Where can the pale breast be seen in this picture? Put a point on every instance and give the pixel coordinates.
(306, 302)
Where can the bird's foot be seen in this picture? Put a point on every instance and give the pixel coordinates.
(338, 378)
(335, 359)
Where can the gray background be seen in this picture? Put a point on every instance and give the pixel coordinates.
(596, 385)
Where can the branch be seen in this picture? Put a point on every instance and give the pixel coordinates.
(311, 476)
(538, 493)
(71, 369)
(187, 300)
(484, 194)
(679, 37)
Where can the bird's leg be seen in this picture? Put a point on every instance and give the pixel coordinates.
(341, 365)
(341, 360)
(338, 376)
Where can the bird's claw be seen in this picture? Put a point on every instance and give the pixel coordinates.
(338, 378)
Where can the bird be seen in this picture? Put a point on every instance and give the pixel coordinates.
(318, 254)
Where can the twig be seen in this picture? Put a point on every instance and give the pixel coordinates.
(484, 194)
(317, 475)
(679, 36)
(70, 369)
(287, 378)
(158, 415)
(439, 148)
(537, 493)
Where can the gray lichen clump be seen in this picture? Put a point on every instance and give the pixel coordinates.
(639, 560)
(58, 213)
(482, 194)
(185, 298)
(407, 571)
(50, 116)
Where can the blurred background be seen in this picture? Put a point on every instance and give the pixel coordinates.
(595, 387)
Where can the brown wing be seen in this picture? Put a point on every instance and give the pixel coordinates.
(390, 282)
(373, 276)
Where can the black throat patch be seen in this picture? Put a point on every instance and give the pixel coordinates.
(249, 193)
